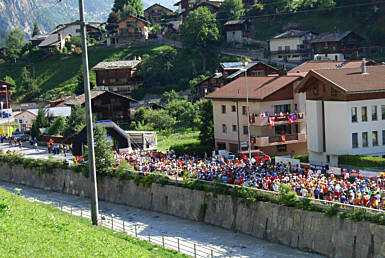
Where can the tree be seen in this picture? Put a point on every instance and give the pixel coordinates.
(200, 33)
(140, 115)
(41, 120)
(112, 23)
(128, 7)
(103, 154)
(79, 82)
(27, 86)
(15, 43)
(58, 126)
(159, 119)
(230, 10)
(183, 111)
(206, 123)
(76, 122)
(36, 30)
(169, 96)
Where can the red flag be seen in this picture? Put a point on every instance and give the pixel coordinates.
(271, 121)
(283, 138)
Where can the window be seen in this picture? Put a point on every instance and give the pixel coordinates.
(374, 138)
(383, 137)
(234, 128)
(223, 109)
(281, 148)
(334, 92)
(257, 73)
(354, 140)
(383, 112)
(364, 114)
(354, 114)
(233, 109)
(374, 113)
(365, 139)
(282, 109)
(315, 91)
(224, 128)
(245, 131)
(221, 145)
(243, 110)
(287, 48)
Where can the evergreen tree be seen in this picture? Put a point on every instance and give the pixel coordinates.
(103, 154)
(112, 23)
(28, 86)
(80, 83)
(206, 125)
(58, 126)
(41, 120)
(76, 122)
(15, 42)
(36, 30)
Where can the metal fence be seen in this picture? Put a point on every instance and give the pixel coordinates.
(142, 232)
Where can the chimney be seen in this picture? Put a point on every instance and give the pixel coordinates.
(282, 71)
(59, 37)
(363, 66)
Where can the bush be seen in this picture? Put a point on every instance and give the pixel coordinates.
(303, 158)
(288, 197)
(361, 161)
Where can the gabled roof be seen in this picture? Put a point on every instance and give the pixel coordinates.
(26, 111)
(316, 65)
(332, 36)
(349, 80)
(80, 100)
(233, 22)
(143, 19)
(177, 3)
(116, 65)
(164, 7)
(39, 37)
(291, 34)
(259, 88)
(51, 40)
(249, 66)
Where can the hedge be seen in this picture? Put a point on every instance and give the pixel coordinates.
(361, 161)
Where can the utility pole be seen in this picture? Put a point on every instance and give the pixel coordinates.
(90, 132)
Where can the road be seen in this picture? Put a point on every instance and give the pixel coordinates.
(192, 235)
(30, 152)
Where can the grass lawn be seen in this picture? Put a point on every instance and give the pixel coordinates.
(29, 229)
(177, 138)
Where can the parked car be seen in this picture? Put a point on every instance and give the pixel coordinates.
(258, 155)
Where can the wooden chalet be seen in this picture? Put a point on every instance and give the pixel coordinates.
(130, 29)
(107, 105)
(118, 76)
(347, 43)
(228, 72)
(155, 13)
(236, 30)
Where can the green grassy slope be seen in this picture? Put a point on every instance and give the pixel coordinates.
(366, 21)
(30, 229)
(58, 73)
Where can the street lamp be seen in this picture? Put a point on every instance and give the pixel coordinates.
(247, 107)
(6, 96)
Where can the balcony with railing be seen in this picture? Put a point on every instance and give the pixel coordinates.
(266, 141)
(291, 51)
(265, 120)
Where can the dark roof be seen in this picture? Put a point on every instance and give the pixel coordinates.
(248, 66)
(315, 65)
(258, 87)
(291, 34)
(39, 37)
(233, 22)
(164, 7)
(331, 36)
(177, 3)
(143, 19)
(79, 100)
(6, 83)
(351, 80)
(116, 65)
(51, 40)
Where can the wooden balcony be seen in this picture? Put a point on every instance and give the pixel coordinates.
(279, 140)
(278, 120)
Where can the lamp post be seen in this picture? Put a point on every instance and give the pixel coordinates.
(247, 108)
(90, 133)
(6, 96)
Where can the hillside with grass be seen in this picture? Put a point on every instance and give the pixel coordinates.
(30, 229)
(164, 68)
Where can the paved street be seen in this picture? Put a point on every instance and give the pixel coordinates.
(29, 151)
(208, 240)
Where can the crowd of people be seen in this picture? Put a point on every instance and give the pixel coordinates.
(307, 182)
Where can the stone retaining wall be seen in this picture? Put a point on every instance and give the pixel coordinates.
(306, 230)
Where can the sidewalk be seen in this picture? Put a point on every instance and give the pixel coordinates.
(164, 229)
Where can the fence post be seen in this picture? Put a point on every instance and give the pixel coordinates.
(149, 238)
(162, 240)
(112, 222)
(178, 245)
(212, 253)
(136, 233)
(124, 230)
(195, 250)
